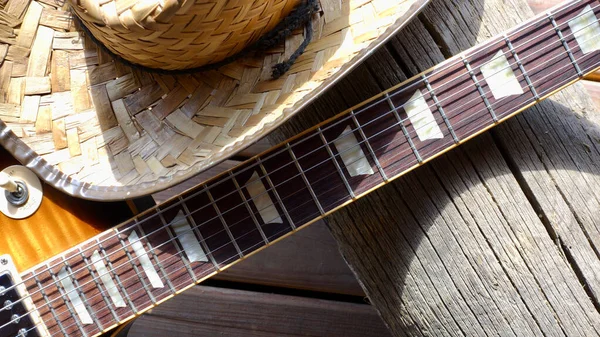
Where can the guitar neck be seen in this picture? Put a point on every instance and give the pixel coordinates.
(135, 266)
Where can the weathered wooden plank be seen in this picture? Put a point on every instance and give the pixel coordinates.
(463, 246)
(207, 311)
(307, 260)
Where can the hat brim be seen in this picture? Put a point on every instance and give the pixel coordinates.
(96, 129)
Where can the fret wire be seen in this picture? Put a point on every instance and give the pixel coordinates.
(480, 89)
(565, 45)
(110, 268)
(439, 108)
(241, 193)
(522, 28)
(309, 187)
(49, 303)
(561, 24)
(176, 245)
(337, 165)
(154, 256)
(285, 212)
(196, 229)
(98, 286)
(220, 215)
(366, 141)
(79, 292)
(66, 300)
(135, 268)
(523, 71)
(404, 131)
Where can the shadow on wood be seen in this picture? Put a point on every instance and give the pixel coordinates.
(497, 237)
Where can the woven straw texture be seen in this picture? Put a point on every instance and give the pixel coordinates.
(106, 131)
(179, 35)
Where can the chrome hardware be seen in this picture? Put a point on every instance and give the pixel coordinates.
(22, 192)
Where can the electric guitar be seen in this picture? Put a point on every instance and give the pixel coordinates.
(83, 277)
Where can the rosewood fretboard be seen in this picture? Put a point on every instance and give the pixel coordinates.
(187, 239)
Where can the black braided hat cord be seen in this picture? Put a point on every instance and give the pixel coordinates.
(298, 17)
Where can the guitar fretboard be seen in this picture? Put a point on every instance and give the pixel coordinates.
(135, 266)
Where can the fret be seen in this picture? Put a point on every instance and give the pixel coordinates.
(290, 187)
(404, 131)
(523, 71)
(130, 260)
(106, 279)
(250, 212)
(272, 188)
(246, 232)
(261, 202)
(86, 288)
(111, 268)
(353, 170)
(179, 252)
(153, 255)
(177, 247)
(390, 146)
(565, 45)
(542, 53)
(69, 305)
(95, 279)
(579, 25)
(177, 262)
(196, 230)
(220, 215)
(48, 304)
(480, 89)
(337, 165)
(206, 219)
(306, 182)
(78, 299)
(439, 108)
(368, 145)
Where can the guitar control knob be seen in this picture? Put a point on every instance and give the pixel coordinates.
(22, 192)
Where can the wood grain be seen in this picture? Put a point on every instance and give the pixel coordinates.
(207, 311)
(496, 237)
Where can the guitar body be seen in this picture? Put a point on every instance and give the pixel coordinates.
(60, 223)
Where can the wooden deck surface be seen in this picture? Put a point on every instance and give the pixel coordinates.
(498, 237)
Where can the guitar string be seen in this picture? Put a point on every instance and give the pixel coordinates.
(255, 229)
(232, 257)
(353, 130)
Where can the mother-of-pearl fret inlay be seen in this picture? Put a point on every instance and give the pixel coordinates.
(262, 200)
(73, 295)
(500, 77)
(192, 248)
(586, 29)
(107, 280)
(421, 118)
(142, 256)
(352, 154)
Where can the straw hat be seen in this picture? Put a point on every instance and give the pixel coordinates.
(90, 123)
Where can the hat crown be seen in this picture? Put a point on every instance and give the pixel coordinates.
(179, 34)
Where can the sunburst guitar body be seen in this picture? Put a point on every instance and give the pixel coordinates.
(61, 222)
